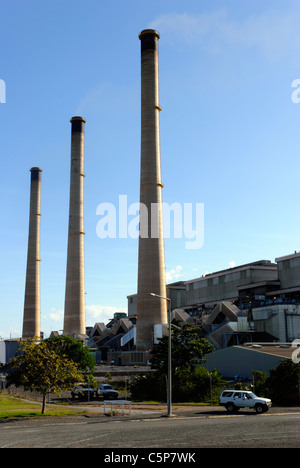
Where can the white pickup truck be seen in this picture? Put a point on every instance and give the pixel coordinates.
(107, 391)
(233, 400)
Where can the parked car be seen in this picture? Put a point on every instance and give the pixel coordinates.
(83, 390)
(233, 400)
(107, 391)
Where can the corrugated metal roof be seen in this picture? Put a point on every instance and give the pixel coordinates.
(284, 350)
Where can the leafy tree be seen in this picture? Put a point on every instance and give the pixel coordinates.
(259, 382)
(196, 384)
(190, 381)
(151, 386)
(188, 350)
(39, 368)
(74, 349)
(283, 383)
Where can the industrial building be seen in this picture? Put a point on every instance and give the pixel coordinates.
(244, 304)
(239, 361)
(257, 302)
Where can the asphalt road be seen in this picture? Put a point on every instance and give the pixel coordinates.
(186, 431)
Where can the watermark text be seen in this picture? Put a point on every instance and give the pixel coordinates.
(2, 92)
(178, 221)
(296, 93)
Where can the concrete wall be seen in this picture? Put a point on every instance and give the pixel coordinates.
(128, 358)
(223, 285)
(74, 315)
(289, 271)
(151, 258)
(280, 320)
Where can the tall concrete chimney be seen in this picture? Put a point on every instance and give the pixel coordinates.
(74, 316)
(151, 261)
(32, 302)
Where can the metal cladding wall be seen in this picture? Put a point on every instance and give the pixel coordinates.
(74, 316)
(223, 285)
(151, 261)
(32, 302)
(289, 270)
(240, 361)
(8, 350)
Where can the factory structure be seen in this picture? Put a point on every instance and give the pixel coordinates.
(152, 311)
(258, 302)
(32, 302)
(251, 303)
(74, 316)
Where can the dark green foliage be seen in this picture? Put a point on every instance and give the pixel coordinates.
(188, 385)
(74, 349)
(283, 383)
(282, 386)
(188, 349)
(197, 385)
(259, 382)
(152, 386)
(190, 381)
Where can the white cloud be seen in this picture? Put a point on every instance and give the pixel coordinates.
(10, 333)
(174, 274)
(232, 264)
(101, 313)
(56, 315)
(274, 33)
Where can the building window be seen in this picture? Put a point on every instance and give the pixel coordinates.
(136, 357)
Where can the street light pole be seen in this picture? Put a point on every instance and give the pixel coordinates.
(169, 392)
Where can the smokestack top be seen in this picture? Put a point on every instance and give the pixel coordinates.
(149, 31)
(77, 117)
(35, 173)
(36, 169)
(149, 39)
(77, 124)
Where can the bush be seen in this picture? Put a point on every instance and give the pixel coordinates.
(148, 387)
(259, 382)
(283, 383)
(188, 385)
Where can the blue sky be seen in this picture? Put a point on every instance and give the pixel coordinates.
(229, 136)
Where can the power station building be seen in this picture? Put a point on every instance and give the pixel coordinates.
(258, 301)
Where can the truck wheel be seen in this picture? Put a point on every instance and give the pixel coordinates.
(260, 409)
(231, 408)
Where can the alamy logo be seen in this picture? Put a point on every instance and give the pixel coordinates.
(2, 92)
(296, 93)
(188, 221)
(296, 353)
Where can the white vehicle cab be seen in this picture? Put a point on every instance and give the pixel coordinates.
(107, 391)
(233, 400)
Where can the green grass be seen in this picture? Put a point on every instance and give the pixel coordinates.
(13, 407)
